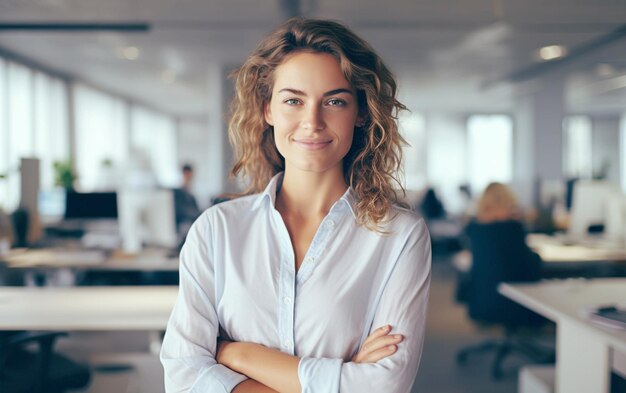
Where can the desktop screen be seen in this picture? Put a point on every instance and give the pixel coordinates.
(92, 205)
(51, 203)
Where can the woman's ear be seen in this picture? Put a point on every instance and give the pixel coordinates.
(267, 113)
(360, 121)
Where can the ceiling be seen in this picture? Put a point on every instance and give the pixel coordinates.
(456, 55)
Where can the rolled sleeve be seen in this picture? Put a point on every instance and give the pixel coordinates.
(319, 375)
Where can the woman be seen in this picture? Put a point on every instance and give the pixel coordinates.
(317, 279)
(498, 203)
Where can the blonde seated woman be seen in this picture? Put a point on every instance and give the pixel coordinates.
(497, 203)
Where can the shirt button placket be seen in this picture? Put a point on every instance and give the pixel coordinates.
(286, 307)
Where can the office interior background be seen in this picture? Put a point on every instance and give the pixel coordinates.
(118, 95)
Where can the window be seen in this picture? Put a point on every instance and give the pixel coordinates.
(51, 127)
(33, 123)
(101, 138)
(490, 145)
(447, 152)
(154, 140)
(622, 149)
(4, 140)
(20, 126)
(413, 130)
(577, 147)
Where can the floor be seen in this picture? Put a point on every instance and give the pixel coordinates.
(123, 363)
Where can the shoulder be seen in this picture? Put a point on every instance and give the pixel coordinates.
(403, 218)
(406, 223)
(239, 209)
(227, 217)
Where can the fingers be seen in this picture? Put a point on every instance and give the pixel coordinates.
(381, 331)
(381, 353)
(381, 343)
(378, 348)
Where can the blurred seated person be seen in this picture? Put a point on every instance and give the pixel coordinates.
(185, 205)
(497, 204)
(498, 227)
(431, 206)
(499, 253)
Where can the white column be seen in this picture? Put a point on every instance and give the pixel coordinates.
(539, 135)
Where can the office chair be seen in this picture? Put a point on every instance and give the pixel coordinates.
(500, 254)
(23, 369)
(28, 363)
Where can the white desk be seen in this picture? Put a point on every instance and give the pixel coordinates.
(555, 249)
(584, 350)
(148, 260)
(86, 308)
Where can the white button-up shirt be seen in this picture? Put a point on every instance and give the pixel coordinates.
(237, 273)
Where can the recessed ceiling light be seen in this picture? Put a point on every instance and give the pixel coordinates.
(168, 76)
(129, 53)
(605, 70)
(551, 52)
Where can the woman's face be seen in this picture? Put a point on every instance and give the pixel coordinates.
(313, 110)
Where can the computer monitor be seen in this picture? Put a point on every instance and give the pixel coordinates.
(90, 205)
(591, 206)
(147, 218)
(51, 204)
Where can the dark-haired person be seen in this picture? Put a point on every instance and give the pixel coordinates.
(185, 205)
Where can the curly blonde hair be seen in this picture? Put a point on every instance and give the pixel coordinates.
(375, 157)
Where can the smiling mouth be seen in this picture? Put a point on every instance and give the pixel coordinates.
(313, 145)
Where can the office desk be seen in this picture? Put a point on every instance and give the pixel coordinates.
(587, 258)
(86, 308)
(584, 350)
(556, 249)
(93, 260)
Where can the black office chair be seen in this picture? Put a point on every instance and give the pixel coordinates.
(39, 369)
(28, 362)
(500, 254)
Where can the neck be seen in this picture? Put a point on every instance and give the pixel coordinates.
(308, 194)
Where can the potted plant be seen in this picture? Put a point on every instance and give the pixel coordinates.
(64, 175)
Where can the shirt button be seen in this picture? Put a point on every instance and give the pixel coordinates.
(287, 300)
(308, 259)
(331, 223)
(287, 343)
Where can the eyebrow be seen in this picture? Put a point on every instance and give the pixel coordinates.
(328, 93)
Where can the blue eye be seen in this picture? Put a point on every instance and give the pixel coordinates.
(292, 101)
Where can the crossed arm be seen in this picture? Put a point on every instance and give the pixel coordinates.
(270, 370)
(192, 363)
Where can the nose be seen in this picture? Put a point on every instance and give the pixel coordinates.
(313, 118)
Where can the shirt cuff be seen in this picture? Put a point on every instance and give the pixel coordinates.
(217, 379)
(319, 375)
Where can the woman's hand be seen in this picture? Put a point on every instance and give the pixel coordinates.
(378, 345)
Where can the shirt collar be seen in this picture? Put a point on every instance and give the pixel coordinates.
(348, 199)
